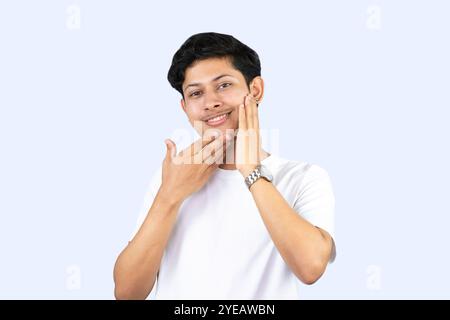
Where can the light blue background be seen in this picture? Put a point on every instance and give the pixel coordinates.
(84, 112)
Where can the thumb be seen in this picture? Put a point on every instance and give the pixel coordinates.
(171, 148)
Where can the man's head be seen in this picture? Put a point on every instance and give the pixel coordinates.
(213, 72)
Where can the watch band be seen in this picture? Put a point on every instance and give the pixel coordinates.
(253, 177)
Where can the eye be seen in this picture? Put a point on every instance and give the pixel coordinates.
(195, 94)
(225, 85)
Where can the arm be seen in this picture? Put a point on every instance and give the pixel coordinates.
(306, 249)
(137, 266)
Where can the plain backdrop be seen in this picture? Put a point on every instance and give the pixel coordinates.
(360, 88)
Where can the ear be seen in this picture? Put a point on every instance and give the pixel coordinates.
(257, 88)
(183, 105)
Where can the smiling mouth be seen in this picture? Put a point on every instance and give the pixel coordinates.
(218, 120)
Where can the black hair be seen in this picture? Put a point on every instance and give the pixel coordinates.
(206, 45)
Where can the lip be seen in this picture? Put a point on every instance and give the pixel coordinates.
(216, 115)
(219, 122)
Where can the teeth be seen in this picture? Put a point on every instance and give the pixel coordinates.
(217, 118)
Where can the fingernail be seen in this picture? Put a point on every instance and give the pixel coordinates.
(228, 136)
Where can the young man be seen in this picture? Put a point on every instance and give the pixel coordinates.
(223, 218)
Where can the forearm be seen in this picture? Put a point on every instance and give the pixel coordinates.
(305, 248)
(138, 264)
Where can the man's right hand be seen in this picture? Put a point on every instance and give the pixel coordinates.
(187, 172)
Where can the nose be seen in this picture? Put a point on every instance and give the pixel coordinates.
(211, 101)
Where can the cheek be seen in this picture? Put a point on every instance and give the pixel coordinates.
(193, 112)
(233, 98)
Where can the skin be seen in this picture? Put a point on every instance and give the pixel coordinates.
(306, 249)
(214, 86)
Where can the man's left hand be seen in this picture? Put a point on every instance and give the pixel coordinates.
(248, 142)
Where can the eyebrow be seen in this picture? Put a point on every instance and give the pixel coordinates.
(215, 79)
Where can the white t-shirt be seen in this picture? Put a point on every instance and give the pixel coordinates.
(220, 247)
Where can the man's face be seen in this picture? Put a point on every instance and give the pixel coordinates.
(213, 87)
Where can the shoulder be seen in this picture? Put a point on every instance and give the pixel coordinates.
(297, 169)
(315, 171)
(298, 176)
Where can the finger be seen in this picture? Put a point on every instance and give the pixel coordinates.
(216, 158)
(255, 115)
(249, 111)
(242, 120)
(254, 142)
(197, 146)
(256, 118)
(171, 148)
(210, 137)
(215, 151)
(219, 154)
(253, 119)
(210, 169)
(211, 149)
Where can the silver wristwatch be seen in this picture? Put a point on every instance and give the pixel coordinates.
(259, 172)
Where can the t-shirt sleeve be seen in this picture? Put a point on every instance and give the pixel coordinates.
(149, 197)
(315, 200)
